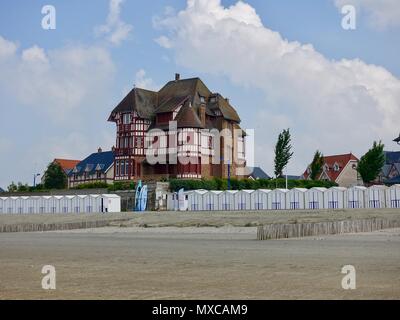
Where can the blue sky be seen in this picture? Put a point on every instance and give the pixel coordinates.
(38, 124)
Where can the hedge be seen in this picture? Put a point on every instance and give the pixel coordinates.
(235, 184)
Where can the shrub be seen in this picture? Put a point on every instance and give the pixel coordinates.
(240, 184)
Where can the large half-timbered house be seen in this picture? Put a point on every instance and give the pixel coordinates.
(183, 120)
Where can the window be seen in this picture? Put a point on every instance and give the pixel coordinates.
(336, 167)
(126, 168)
(117, 168)
(202, 99)
(126, 118)
(122, 168)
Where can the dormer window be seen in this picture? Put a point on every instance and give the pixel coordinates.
(326, 167)
(336, 167)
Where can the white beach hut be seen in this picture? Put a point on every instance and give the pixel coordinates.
(242, 200)
(393, 196)
(195, 199)
(277, 199)
(3, 205)
(259, 199)
(335, 198)
(111, 203)
(227, 200)
(58, 203)
(12, 205)
(94, 203)
(211, 200)
(376, 196)
(172, 201)
(356, 197)
(295, 199)
(314, 198)
(68, 204)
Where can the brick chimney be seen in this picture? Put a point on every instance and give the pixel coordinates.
(99, 150)
(177, 76)
(202, 114)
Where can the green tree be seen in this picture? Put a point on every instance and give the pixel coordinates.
(12, 187)
(282, 152)
(372, 162)
(55, 177)
(316, 165)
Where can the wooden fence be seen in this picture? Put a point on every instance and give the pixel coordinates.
(279, 231)
(32, 227)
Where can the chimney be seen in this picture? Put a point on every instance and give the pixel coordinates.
(227, 100)
(177, 76)
(99, 150)
(202, 114)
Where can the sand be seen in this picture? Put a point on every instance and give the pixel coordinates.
(197, 263)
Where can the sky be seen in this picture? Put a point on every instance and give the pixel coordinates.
(282, 63)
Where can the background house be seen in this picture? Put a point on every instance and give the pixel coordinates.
(98, 167)
(256, 173)
(341, 169)
(66, 164)
(390, 173)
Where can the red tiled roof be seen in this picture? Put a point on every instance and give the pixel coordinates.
(67, 164)
(341, 160)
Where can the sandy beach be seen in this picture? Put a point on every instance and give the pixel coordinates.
(197, 263)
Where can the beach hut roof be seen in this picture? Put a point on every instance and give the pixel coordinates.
(299, 189)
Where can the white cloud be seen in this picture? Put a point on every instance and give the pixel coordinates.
(115, 30)
(336, 106)
(164, 42)
(57, 81)
(144, 82)
(381, 14)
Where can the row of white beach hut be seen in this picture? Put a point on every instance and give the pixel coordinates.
(60, 204)
(283, 199)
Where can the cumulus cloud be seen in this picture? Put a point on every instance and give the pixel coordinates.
(115, 30)
(57, 81)
(144, 82)
(337, 106)
(381, 14)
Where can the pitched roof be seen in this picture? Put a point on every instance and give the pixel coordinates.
(394, 180)
(187, 117)
(66, 164)
(2, 190)
(148, 103)
(224, 106)
(257, 173)
(329, 161)
(397, 139)
(98, 161)
(386, 169)
(171, 104)
(140, 100)
(392, 157)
